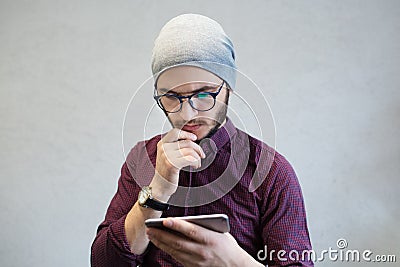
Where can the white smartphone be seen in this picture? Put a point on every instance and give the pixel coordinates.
(216, 222)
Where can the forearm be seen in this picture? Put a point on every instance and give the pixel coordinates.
(135, 228)
(172, 153)
(110, 249)
(134, 222)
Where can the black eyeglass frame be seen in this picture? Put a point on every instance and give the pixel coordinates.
(189, 97)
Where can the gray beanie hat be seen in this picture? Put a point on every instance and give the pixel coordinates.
(194, 40)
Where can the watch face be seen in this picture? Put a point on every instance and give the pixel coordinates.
(143, 195)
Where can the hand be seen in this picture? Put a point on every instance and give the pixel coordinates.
(175, 151)
(194, 245)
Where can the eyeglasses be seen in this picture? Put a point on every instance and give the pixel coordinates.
(201, 101)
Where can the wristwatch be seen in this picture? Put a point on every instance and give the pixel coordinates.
(146, 200)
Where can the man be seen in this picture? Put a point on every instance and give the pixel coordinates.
(204, 165)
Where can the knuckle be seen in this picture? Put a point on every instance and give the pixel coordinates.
(192, 233)
(187, 142)
(197, 148)
(204, 254)
(178, 245)
(192, 144)
(160, 146)
(189, 158)
(187, 151)
(194, 155)
(180, 148)
(181, 144)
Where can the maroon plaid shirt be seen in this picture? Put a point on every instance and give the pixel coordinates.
(273, 215)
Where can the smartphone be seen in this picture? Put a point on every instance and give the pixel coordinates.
(216, 222)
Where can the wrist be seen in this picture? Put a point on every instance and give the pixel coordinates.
(162, 189)
(246, 259)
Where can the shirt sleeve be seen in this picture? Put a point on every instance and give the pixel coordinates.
(285, 231)
(111, 247)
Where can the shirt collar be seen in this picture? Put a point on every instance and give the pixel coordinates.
(222, 136)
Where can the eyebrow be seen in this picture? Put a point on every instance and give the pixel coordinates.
(207, 87)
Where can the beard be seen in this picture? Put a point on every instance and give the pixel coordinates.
(219, 119)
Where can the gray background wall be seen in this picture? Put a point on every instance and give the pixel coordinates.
(330, 70)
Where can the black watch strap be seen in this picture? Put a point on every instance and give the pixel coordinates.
(156, 205)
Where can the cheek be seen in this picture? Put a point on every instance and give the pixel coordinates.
(221, 102)
(172, 119)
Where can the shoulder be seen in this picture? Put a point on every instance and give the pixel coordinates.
(261, 150)
(274, 181)
(282, 166)
(281, 180)
(141, 160)
(272, 169)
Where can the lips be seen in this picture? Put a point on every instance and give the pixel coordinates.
(191, 128)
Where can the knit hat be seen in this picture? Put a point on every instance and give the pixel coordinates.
(194, 40)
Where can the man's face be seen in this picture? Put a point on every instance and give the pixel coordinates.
(184, 81)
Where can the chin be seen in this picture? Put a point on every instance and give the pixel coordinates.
(200, 135)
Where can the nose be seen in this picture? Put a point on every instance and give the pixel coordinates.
(187, 112)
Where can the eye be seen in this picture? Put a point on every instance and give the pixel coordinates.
(170, 96)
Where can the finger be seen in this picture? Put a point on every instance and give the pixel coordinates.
(173, 155)
(187, 161)
(177, 146)
(177, 134)
(193, 145)
(187, 258)
(184, 152)
(174, 244)
(181, 158)
(190, 230)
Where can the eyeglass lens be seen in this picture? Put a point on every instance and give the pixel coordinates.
(200, 101)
